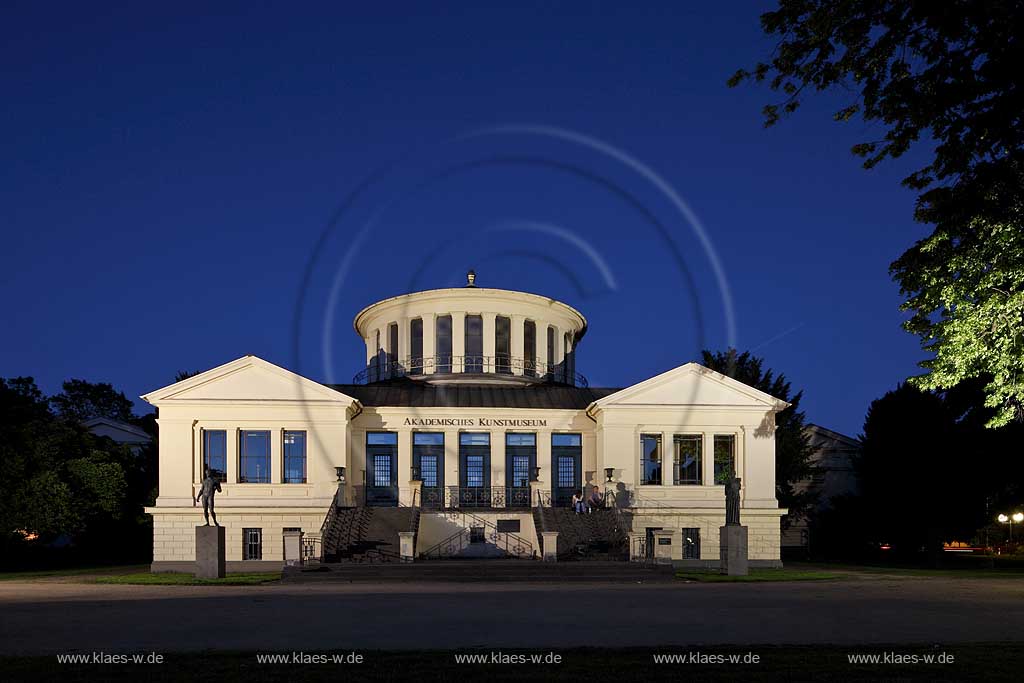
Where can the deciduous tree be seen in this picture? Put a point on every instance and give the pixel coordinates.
(946, 75)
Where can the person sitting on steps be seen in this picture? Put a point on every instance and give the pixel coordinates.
(577, 502)
(596, 500)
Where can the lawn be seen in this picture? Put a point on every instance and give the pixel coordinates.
(759, 575)
(174, 579)
(914, 572)
(77, 571)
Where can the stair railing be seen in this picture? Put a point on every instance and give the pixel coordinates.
(317, 552)
(449, 547)
(511, 544)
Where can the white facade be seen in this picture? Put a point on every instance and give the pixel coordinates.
(512, 387)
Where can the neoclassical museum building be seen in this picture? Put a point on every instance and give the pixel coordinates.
(467, 432)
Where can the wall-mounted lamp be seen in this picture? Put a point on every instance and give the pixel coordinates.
(340, 471)
(608, 473)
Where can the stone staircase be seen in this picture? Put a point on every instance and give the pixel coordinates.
(598, 535)
(367, 535)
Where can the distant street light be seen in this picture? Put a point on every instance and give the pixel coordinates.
(1004, 519)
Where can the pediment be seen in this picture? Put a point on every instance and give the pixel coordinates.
(248, 379)
(690, 385)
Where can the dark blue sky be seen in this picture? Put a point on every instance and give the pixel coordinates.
(166, 175)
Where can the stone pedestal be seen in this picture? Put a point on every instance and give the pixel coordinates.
(550, 541)
(732, 545)
(637, 550)
(663, 547)
(292, 548)
(407, 545)
(209, 552)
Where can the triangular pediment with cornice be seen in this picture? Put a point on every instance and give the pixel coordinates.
(248, 379)
(692, 385)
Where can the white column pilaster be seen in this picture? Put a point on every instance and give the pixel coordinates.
(276, 463)
(451, 458)
(547, 473)
(709, 458)
(404, 466)
(232, 448)
(667, 457)
(497, 458)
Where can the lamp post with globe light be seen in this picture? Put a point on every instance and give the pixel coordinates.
(1017, 517)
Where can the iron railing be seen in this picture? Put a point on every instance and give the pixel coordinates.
(489, 497)
(380, 369)
(312, 550)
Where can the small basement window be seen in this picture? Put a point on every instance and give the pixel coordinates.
(508, 526)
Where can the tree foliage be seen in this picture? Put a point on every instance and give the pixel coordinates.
(792, 444)
(59, 482)
(182, 375)
(929, 471)
(948, 73)
(81, 400)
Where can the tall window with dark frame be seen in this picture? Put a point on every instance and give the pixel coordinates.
(393, 349)
(215, 453)
(567, 376)
(254, 456)
(375, 364)
(503, 345)
(474, 361)
(474, 468)
(530, 348)
(429, 472)
(687, 466)
(725, 457)
(252, 544)
(567, 460)
(294, 452)
(551, 352)
(416, 346)
(650, 459)
(522, 449)
(428, 461)
(443, 341)
(691, 543)
(520, 458)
